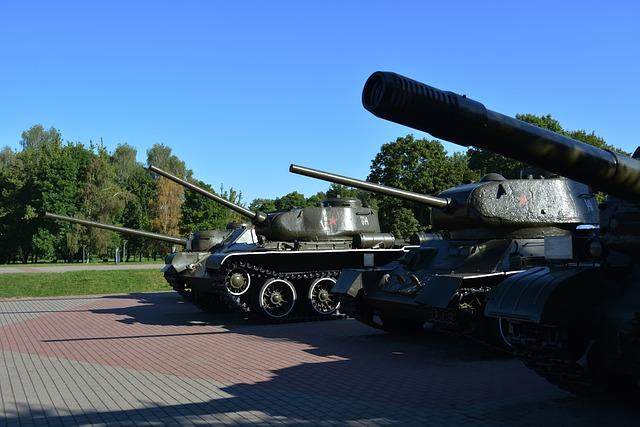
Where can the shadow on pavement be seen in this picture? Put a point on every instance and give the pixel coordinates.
(369, 377)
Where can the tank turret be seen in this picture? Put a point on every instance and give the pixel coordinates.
(493, 207)
(333, 219)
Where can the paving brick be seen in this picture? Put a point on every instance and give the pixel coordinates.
(150, 359)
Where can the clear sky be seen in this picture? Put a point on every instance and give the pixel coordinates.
(240, 90)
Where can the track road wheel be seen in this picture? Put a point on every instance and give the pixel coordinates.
(238, 281)
(276, 299)
(321, 300)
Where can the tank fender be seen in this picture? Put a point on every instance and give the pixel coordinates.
(350, 282)
(439, 291)
(546, 295)
(181, 260)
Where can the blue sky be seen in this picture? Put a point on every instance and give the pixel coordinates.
(240, 90)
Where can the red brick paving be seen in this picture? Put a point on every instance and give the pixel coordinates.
(183, 363)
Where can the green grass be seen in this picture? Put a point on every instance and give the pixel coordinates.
(80, 283)
(60, 263)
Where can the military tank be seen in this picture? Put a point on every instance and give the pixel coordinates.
(576, 324)
(495, 228)
(178, 264)
(282, 266)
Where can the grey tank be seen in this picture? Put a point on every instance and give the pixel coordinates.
(282, 265)
(575, 323)
(496, 227)
(178, 263)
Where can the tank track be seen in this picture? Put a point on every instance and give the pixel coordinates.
(549, 360)
(350, 307)
(205, 302)
(239, 304)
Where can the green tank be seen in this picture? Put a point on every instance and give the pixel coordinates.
(282, 266)
(495, 228)
(575, 323)
(178, 264)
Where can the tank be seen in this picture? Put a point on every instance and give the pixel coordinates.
(282, 265)
(575, 323)
(495, 228)
(178, 264)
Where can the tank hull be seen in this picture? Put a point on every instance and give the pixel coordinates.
(441, 284)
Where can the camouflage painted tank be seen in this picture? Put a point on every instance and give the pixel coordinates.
(283, 266)
(496, 227)
(575, 323)
(178, 265)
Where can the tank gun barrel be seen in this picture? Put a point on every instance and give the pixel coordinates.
(463, 121)
(170, 239)
(436, 202)
(256, 217)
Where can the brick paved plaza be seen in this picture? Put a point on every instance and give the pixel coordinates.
(154, 359)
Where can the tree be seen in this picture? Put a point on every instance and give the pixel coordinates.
(291, 200)
(316, 199)
(7, 160)
(166, 207)
(44, 176)
(418, 165)
(200, 213)
(102, 200)
(137, 210)
(263, 205)
(37, 137)
(124, 161)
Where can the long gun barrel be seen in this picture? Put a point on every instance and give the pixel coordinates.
(436, 202)
(464, 121)
(256, 217)
(175, 240)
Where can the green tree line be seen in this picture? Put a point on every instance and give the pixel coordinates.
(49, 174)
(69, 178)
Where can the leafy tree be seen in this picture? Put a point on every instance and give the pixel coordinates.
(137, 210)
(316, 199)
(44, 176)
(291, 200)
(200, 213)
(124, 162)
(337, 190)
(37, 137)
(264, 205)
(7, 159)
(102, 200)
(169, 197)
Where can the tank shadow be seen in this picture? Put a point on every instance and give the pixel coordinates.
(166, 308)
(359, 391)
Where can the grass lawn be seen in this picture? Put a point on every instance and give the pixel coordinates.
(80, 283)
(160, 261)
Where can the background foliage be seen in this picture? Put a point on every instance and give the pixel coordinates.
(65, 177)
